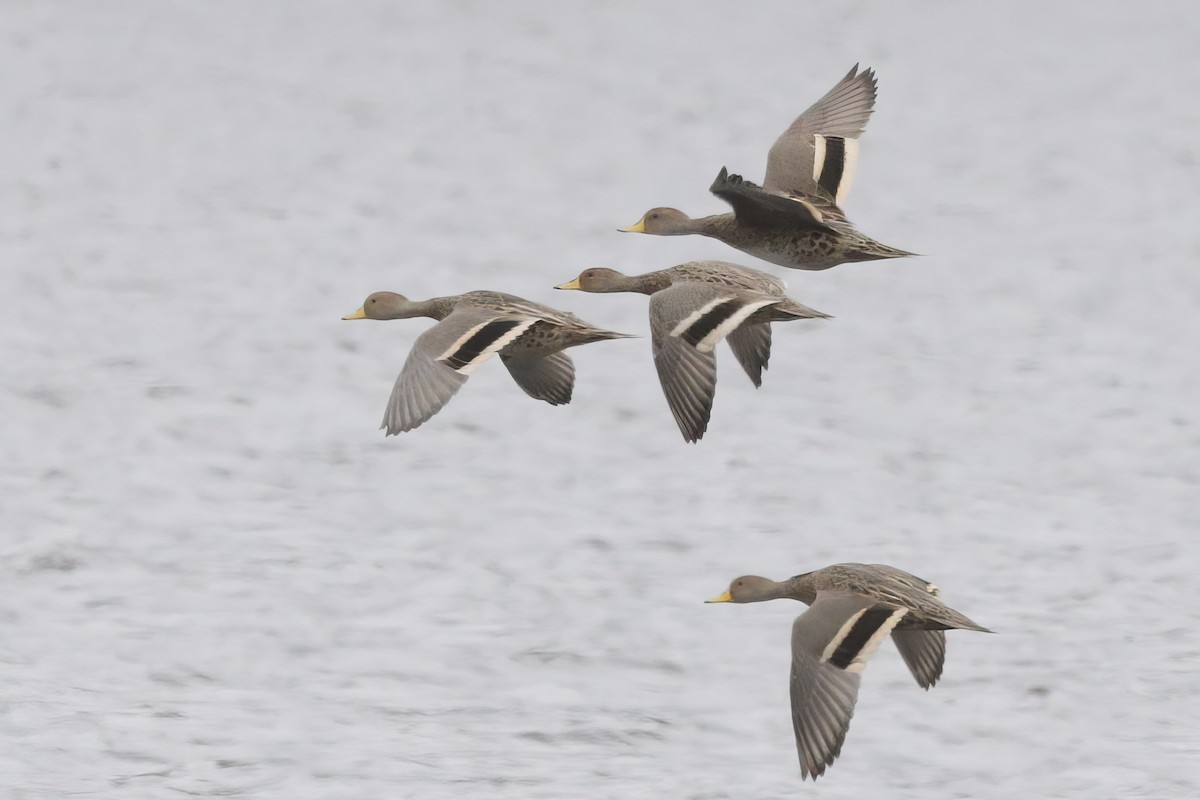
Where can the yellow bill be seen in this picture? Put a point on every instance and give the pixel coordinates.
(571, 284)
(360, 314)
(723, 597)
(637, 227)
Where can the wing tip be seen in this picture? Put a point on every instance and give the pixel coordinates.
(722, 180)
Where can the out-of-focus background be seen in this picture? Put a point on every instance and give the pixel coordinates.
(217, 578)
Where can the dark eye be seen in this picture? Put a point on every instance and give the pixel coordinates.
(374, 299)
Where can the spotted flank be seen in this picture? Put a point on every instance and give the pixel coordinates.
(714, 320)
(861, 636)
(834, 164)
(482, 341)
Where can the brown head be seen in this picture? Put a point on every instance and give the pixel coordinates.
(750, 589)
(662, 222)
(598, 279)
(383, 305)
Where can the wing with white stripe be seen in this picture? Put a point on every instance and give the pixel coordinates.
(835, 164)
(717, 317)
(688, 375)
(689, 382)
(687, 320)
(799, 159)
(441, 360)
(831, 644)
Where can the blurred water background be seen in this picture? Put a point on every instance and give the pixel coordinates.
(217, 578)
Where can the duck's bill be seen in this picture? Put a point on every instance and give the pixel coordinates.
(723, 597)
(571, 284)
(360, 314)
(637, 227)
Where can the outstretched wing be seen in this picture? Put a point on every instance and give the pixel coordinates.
(440, 361)
(751, 345)
(550, 378)
(831, 644)
(818, 153)
(924, 652)
(688, 376)
(686, 322)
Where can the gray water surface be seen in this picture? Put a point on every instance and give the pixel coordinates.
(217, 578)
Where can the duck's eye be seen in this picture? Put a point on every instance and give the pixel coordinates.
(374, 299)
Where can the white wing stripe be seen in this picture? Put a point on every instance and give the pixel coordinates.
(695, 316)
(847, 150)
(709, 341)
(849, 168)
(837, 639)
(818, 156)
(858, 639)
(480, 342)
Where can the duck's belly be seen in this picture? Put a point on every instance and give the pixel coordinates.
(804, 250)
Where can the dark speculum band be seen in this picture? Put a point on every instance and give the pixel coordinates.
(835, 163)
(481, 340)
(858, 636)
(710, 321)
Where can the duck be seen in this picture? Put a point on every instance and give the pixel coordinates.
(795, 218)
(692, 307)
(853, 608)
(472, 327)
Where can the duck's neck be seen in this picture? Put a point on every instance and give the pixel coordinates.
(435, 308)
(683, 225)
(799, 588)
(718, 226)
(615, 282)
(649, 283)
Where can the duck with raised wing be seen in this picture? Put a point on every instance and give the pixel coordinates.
(795, 218)
(853, 608)
(692, 307)
(473, 327)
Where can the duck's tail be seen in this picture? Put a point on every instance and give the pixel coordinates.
(872, 250)
(790, 309)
